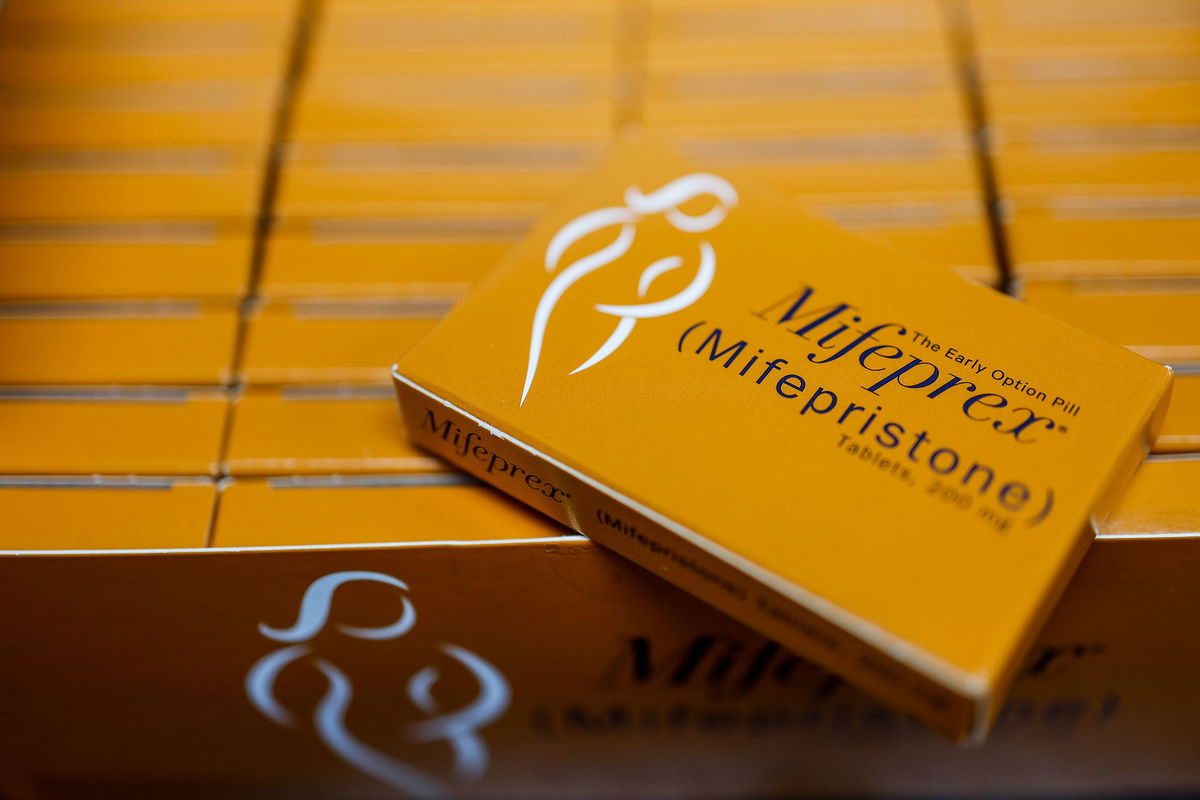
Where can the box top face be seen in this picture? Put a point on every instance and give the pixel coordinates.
(313, 430)
(425, 509)
(107, 431)
(75, 514)
(856, 430)
(1160, 501)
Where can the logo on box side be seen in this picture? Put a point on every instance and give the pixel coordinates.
(458, 728)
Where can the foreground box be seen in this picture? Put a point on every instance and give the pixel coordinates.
(532, 664)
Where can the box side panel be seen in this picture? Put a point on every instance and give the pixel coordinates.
(652, 543)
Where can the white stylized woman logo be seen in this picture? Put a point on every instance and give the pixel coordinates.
(458, 728)
(665, 201)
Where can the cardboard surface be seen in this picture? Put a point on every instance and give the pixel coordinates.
(119, 259)
(333, 341)
(113, 431)
(140, 342)
(310, 430)
(82, 514)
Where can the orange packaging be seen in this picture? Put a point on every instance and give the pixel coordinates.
(822, 157)
(943, 228)
(153, 34)
(1051, 24)
(431, 179)
(445, 34)
(66, 514)
(863, 89)
(1153, 317)
(118, 259)
(188, 11)
(1122, 230)
(683, 30)
(427, 505)
(1181, 428)
(911, 184)
(51, 69)
(110, 431)
(333, 341)
(810, 431)
(199, 111)
(301, 430)
(544, 102)
(136, 342)
(158, 182)
(1076, 156)
(614, 683)
(411, 256)
(1150, 316)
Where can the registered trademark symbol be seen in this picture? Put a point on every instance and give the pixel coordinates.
(1062, 428)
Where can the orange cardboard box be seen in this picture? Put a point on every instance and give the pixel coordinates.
(683, 30)
(645, 690)
(54, 68)
(557, 101)
(303, 430)
(410, 256)
(126, 182)
(189, 11)
(1078, 156)
(1037, 24)
(1159, 502)
(90, 513)
(859, 90)
(152, 34)
(147, 112)
(1181, 428)
(514, 175)
(1143, 230)
(424, 505)
(920, 576)
(1150, 316)
(913, 185)
(332, 341)
(110, 431)
(823, 157)
(426, 34)
(118, 259)
(947, 229)
(1156, 318)
(1081, 59)
(136, 342)
(1151, 102)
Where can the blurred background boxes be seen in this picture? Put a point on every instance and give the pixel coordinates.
(119, 259)
(856, 109)
(1155, 318)
(1093, 114)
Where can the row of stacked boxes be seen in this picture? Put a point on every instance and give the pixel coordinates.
(1095, 140)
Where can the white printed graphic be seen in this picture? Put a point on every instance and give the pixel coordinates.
(665, 201)
(458, 728)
